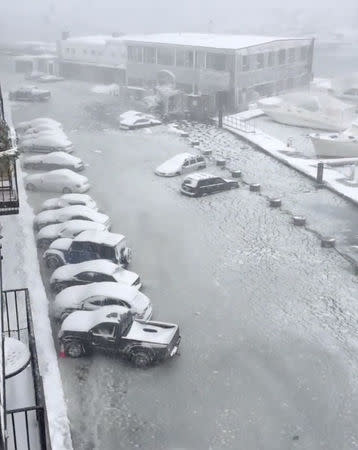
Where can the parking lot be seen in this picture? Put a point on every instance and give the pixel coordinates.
(268, 318)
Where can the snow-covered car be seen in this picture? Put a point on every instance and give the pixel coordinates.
(86, 246)
(67, 200)
(29, 94)
(131, 120)
(73, 212)
(199, 184)
(51, 161)
(93, 271)
(35, 130)
(69, 229)
(113, 329)
(61, 180)
(49, 78)
(46, 142)
(94, 295)
(39, 121)
(179, 164)
(33, 76)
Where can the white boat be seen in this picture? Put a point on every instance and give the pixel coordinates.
(310, 110)
(341, 145)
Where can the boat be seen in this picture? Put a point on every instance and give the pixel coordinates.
(317, 110)
(341, 145)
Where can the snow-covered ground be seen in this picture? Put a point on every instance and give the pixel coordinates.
(21, 270)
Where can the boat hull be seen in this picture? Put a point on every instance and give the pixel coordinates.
(297, 120)
(327, 148)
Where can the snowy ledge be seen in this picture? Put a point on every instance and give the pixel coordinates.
(21, 269)
(332, 178)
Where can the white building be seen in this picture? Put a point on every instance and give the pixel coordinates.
(93, 58)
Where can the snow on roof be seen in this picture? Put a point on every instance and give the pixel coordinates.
(74, 295)
(100, 237)
(93, 40)
(97, 265)
(200, 176)
(85, 320)
(220, 41)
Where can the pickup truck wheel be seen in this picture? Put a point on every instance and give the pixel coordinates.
(52, 262)
(74, 349)
(141, 359)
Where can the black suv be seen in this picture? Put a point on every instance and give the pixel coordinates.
(199, 184)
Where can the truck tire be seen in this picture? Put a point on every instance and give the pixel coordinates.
(52, 262)
(141, 358)
(74, 349)
(44, 243)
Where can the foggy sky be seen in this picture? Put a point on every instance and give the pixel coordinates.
(45, 19)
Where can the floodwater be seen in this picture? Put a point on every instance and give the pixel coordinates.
(268, 318)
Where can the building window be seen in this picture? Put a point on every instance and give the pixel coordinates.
(135, 54)
(260, 61)
(67, 50)
(282, 56)
(304, 53)
(216, 61)
(289, 83)
(200, 60)
(184, 58)
(85, 52)
(291, 55)
(245, 63)
(271, 59)
(93, 52)
(165, 56)
(99, 53)
(150, 55)
(73, 51)
(113, 54)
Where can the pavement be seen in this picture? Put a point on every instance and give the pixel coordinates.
(268, 317)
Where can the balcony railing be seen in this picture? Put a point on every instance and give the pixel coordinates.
(26, 426)
(9, 192)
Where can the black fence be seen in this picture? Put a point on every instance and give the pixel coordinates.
(238, 124)
(26, 427)
(9, 192)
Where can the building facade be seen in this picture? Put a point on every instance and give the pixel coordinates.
(100, 59)
(225, 70)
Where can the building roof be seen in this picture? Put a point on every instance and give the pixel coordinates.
(93, 40)
(219, 41)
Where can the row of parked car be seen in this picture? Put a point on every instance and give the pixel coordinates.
(97, 299)
(47, 148)
(196, 184)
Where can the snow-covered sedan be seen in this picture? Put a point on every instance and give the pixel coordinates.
(92, 272)
(68, 200)
(29, 94)
(131, 120)
(68, 229)
(92, 296)
(179, 164)
(41, 128)
(61, 180)
(44, 142)
(39, 121)
(55, 160)
(73, 212)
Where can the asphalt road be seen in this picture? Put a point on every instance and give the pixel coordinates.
(268, 318)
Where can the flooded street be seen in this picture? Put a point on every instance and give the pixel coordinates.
(268, 318)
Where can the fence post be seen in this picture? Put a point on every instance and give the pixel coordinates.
(319, 178)
(220, 123)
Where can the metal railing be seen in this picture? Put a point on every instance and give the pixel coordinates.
(239, 124)
(9, 192)
(16, 319)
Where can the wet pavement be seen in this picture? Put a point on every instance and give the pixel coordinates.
(268, 318)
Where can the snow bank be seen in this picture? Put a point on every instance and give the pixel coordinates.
(21, 264)
(109, 89)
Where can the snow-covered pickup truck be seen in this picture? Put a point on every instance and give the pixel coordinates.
(86, 246)
(113, 329)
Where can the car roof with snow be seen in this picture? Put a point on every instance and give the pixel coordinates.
(74, 295)
(100, 237)
(200, 176)
(83, 321)
(96, 265)
(71, 209)
(52, 157)
(62, 173)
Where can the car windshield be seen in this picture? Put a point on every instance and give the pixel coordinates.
(190, 182)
